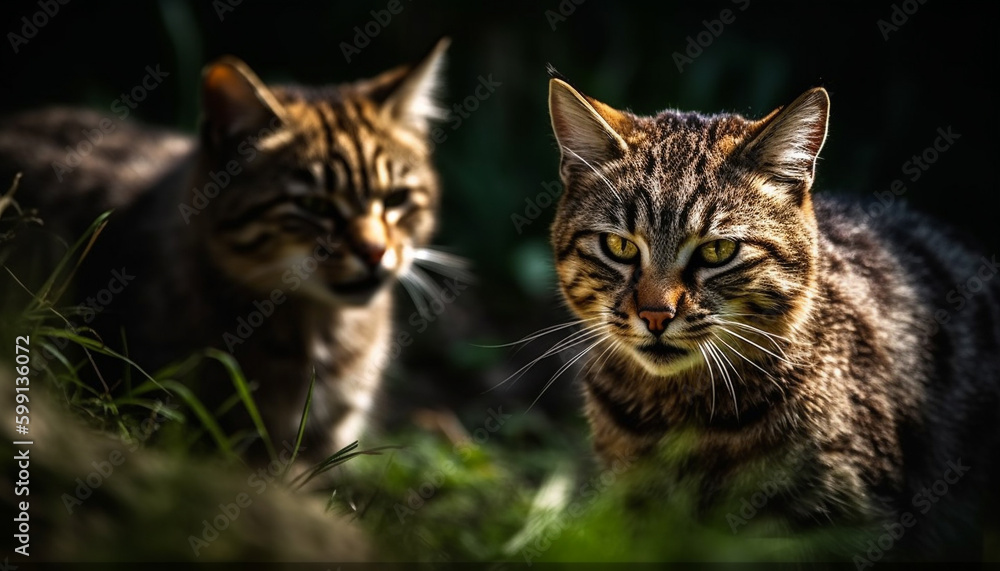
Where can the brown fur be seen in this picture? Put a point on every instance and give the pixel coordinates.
(814, 350)
(328, 195)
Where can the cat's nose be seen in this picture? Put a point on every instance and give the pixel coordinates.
(657, 319)
(371, 253)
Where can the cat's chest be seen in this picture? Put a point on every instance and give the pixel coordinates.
(343, 345)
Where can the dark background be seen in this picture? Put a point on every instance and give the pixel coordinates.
(889, 97)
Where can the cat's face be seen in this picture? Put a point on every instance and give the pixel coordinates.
(336, 189)
(684, 240)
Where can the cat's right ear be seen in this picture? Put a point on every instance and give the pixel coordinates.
(789, 140)
(235, 102)
(586, 129)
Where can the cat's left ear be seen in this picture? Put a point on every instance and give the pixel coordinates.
(587, 130)
(235, 102)
(789, 141)
(409, 95)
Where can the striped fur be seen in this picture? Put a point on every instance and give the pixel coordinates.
(327, 196)
(814, 349)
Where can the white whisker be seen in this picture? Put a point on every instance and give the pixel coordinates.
(572, 340)
(779, 357)
(444, 263)
(597, 172)
(769, 336)
(745, 358)
(416, 294)
(612, 347)
(731, 365)
(616, 346)
(540, 333)
(714, 351)
(755, 329)
(711, 375)
(562, 369)
(425, 282)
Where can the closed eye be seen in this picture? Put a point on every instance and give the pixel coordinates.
(315, 205)
(304, 177)
(396, 198)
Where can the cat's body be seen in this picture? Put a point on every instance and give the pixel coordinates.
(273, 237)
(772, 329)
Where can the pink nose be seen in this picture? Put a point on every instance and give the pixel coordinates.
(656, 319)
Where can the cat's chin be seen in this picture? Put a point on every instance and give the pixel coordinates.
(351, 294)
(665, 360)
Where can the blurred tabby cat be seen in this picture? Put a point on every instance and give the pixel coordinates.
(721, 300)
(276, 236)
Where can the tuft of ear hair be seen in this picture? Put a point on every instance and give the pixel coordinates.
(554, 73)
(409, 95)
(789, 141)
(586, 129)
(235, 101)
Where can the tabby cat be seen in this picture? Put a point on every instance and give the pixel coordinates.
(276, 236)
(723, 301)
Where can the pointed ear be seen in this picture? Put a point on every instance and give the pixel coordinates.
(789, 140)
(586, 129)
(235, 101)
(409, 95)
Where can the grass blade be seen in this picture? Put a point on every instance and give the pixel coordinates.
(89, 236)
(305, 417)
(243, 389)
(206, 418)
(338, 458)
(95, 346)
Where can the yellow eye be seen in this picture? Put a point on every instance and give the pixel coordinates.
(618, 248)
(717, 252)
